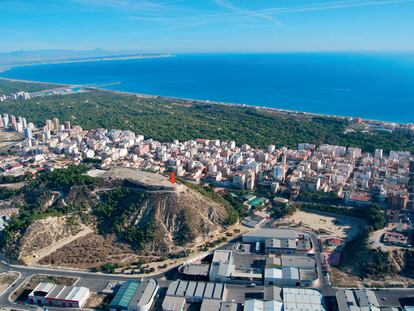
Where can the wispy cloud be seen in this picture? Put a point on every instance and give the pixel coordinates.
(335, 5)
(164, 12)
(128, 5)
(271, 13)
(235, 9)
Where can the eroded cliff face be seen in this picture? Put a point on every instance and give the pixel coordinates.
(152, 223)
(46, 235)
(176, 219)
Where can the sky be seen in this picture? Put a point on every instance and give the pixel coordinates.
(181, 26)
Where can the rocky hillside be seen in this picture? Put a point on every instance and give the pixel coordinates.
(44, 236)
(162, 222)
(62, 206)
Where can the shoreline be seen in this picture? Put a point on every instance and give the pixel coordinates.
(206, 101)
(273, 109)
(4, 68)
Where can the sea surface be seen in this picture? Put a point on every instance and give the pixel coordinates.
(369, 85)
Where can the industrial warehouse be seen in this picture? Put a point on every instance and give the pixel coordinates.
(50, 294)
(135, 296)
(181, 295)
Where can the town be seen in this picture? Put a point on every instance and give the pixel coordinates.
(357, 178)
(15, 96)
(269, 267)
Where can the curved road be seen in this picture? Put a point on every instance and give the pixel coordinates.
(26, 272)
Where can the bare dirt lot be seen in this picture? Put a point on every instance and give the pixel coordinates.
(91, 251)
(8, 138)
(97, 301)
(6, 279)
(94, 250)
(327, 225)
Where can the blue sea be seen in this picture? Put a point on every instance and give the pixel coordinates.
(369, 85)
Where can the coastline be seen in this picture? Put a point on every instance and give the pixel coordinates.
(4, 68)
(279, 110)
(206, 101)
(35, 82)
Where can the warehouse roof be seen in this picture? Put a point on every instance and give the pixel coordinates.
(124, 295)
(196, 269)
(43, 288)
(202, 290)
(270, 233)
(298, 261)
(295, 299)
(281, 243)
(173, 303)
(77, 293)
(210, 305)
(52, 291)
(144, 293)
(259, 305)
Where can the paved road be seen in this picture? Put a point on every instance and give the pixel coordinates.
(88, 279)
(96, 281)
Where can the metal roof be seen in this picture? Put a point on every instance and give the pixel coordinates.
(54, 293)
(198, 290)
(298, 261)
(124, 294)
(210, 305)
(172, 288)
(290, 273)
(65, 292)
(144, 293)
(44, 287)
(268, 233)
(259, 305)
(173, 303)
(77, 293)
(295, 299)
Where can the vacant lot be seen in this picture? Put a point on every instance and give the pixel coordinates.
(98, 301)
(92, 251)
(8, 138)
(327, 225)
(6, 279)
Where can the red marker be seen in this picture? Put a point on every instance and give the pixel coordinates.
(172, 177)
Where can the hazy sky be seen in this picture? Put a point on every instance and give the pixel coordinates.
(207, 25)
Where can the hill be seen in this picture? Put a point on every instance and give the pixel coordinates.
(66, 207)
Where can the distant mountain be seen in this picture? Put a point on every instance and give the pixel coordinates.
(55, 55)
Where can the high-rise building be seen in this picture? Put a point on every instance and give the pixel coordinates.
(46, 134)
(28, 133)
(67, 125)
(283, 166)
(378, 153)
(28, 142)
(6, 120)
(278, 172)
(56, 124)
(49, 125)
(13, 120)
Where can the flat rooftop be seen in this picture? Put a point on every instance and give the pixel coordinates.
(196, 269)
(270, 233)
(298, 261)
